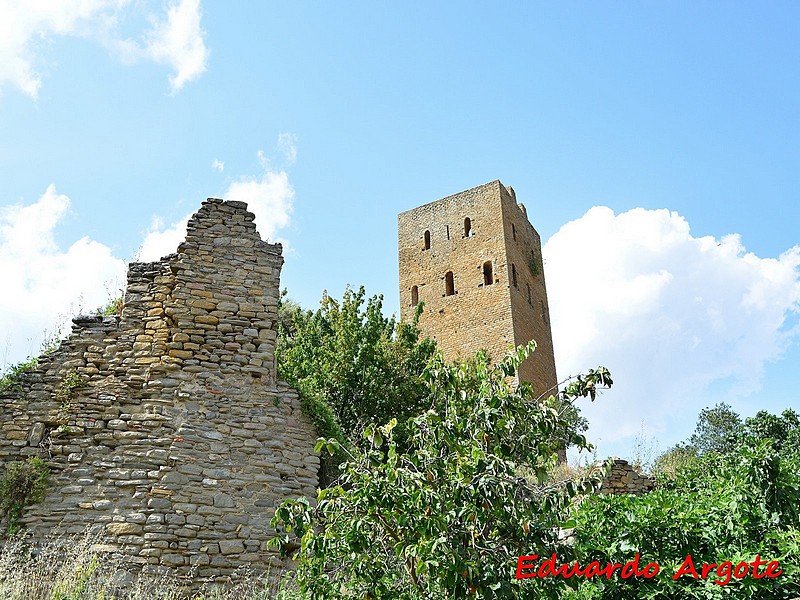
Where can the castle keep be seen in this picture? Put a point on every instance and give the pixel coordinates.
(475, 261)
(166, 427)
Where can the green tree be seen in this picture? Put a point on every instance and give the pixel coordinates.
(288, 310)
(24, 482)
(366, 367)
(717, 430)
(449, 517)
(783, 430)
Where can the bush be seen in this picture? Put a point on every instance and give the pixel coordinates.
(449, 517)
(719, 507)
(11, 380)
(24, 483)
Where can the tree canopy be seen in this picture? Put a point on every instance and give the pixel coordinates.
(449, 517)
(367, 367)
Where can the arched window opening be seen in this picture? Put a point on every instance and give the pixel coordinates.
(414, 296)
(514, 232)
(449, 284)
(467, 227)
(488, 278)
(514, 275)
(427, 240)
(529, 294)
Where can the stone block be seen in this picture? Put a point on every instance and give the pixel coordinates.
(227, 547)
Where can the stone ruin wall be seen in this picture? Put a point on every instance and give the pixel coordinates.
(623, 479)
(179, 442)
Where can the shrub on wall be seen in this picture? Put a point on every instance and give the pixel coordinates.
(23, 483)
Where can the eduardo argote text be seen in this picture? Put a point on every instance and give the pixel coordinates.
(529, 567)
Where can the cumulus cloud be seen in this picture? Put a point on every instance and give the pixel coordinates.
(218, 165)
(42, 282)
(668, 313)
(178, 42)
(23, 25)
(176, 39)
(160, 240)
(269, 195)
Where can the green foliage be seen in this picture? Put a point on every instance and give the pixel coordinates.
(112, 307)
(784, 430)
(326, 425)
(366, 367)
(720, 506)
(65, 393)
(448, 517)
(720, 430)
(582, 386)
(24, 482)
(11, 380)
(717, 429)
(288, 309)
(535, 265)
(77, 585)
(675, 460)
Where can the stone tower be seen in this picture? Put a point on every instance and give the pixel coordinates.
(475, 261)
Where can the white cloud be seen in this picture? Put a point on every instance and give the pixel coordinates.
(287, 145)
(218, 165)
(269, 195)
(668, 313)
(158, 242)
(42, 283)
(26, 25)
(178, 42)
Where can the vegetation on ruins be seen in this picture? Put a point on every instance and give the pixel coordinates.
(446, 513)
(12, 375)
(11, 379)
(448, 517)
(111, 308)
(354, 367)
(70, 381)
(24, 482)
(444, 477)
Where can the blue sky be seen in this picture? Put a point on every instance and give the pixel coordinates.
(678, 121)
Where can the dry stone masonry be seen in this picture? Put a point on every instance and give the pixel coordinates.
(166, 427)
(475, 261)
(623, 479)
